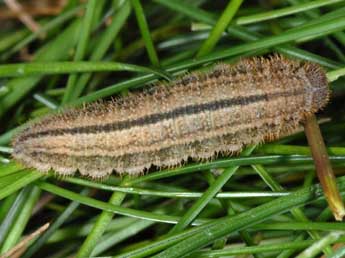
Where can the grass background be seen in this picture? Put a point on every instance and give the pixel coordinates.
(265, 203)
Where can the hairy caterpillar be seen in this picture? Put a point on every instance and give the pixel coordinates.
(197, 116)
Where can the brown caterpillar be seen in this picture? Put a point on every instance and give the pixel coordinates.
(197, 116)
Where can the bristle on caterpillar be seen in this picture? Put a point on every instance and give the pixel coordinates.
(198, 115)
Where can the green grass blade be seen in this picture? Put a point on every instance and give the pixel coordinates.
(26, 69)
(112, 239)
(314, 249)
(241, 221)
(22, 220)
(223, 163)
(10, 39)
(15, 181)
(100, 226)
(220, 27)
(171, 194)
(109, 209)
(65, 215)
(57, 49)
(53, 24)
(108, 37)
(13, 213)
(192, 239)
(81, 47)
(144, 29)
(284, 11)
(258, 249)
(201, 203)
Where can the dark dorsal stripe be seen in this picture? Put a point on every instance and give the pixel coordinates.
(158, 117)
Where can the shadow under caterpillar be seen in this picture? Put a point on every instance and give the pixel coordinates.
(198, 115)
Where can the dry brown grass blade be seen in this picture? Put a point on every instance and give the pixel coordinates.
(23, 16)
(323, 167)
(35, 8)
(19, 249)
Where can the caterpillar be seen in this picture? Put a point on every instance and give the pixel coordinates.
(197, 116)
